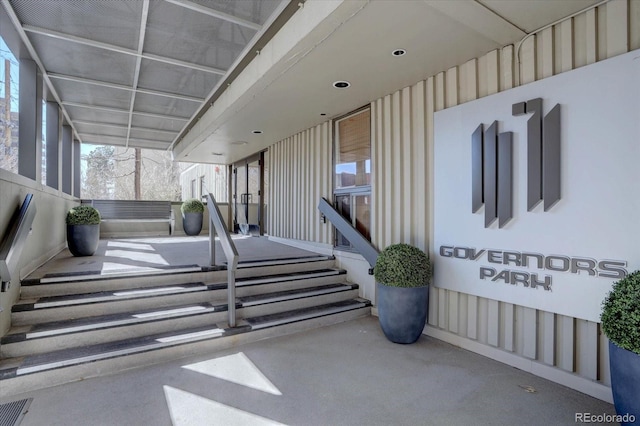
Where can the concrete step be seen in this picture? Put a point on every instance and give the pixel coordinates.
(60, 308)
(74, 283)
(22, 374)
(131, 299)
(51, 336)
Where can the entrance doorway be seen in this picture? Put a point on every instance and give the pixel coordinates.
(249, 195)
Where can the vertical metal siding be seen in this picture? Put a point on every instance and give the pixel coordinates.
(402, 159)
(569, 344)
(300, 174)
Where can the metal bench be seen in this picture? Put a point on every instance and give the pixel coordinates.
(134, 211)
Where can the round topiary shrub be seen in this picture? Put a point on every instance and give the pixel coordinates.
(402, 265)
(621, 313)
(192, 205)
(83, 214)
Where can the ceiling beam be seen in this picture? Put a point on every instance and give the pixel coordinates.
(124, 111)
(122, 138)
(123, 50)
(136, 73)
(124, 87)
(216, 14)
(124, 127)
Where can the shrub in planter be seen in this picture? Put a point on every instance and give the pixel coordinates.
(621, 323)
(192, 212)
(83, 230)
(402, 274)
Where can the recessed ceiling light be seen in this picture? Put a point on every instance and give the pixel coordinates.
(257, 132)
(239, 143)
(323, 114)
(399, 52)
(341, 84)
(216, 153)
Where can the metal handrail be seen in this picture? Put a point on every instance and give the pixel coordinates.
(14, 240)
(218, 226)
(361, 244)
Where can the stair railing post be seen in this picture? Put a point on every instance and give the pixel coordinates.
(212, 242)
(230, 253)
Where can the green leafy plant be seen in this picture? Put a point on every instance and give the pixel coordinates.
(621, 313)
(192, 205)
(83, 215)
(402, 265)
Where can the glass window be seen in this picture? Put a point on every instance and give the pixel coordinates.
(9, 112)
(353, 150)
(352, 173)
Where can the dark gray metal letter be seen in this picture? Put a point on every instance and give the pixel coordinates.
(534, 149)
(551, 158)
(505, 178)
(490, 175)
(477, 198)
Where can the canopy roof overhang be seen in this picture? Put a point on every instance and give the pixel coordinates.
(199, 77)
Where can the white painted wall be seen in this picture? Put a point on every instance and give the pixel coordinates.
(48, 236)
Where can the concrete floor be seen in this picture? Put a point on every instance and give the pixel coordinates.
(345, 374)
(138, 254)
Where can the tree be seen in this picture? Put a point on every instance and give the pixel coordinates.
(99, 180)
(128, 174)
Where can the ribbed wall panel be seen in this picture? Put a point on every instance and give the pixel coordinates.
(402, 193)
(569, 344)
(300, 173)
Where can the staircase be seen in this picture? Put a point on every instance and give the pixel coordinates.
(69, 328)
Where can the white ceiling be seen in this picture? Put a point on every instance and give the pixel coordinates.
(354, 43)
(144, 73)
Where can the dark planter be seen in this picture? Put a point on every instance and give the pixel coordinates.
(83, 239)
(625, 382)
(402, 312)
(192, 223)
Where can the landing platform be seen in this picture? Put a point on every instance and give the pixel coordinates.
(154, 254)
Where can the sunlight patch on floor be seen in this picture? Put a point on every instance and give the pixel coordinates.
(236, 368)
(134, 246)
(188, 409)
(167, 240)
(111, 268)
(137, 256)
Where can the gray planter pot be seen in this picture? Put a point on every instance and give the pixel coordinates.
(625, 382)
(402, 312)
(83, 239)
(192, 223)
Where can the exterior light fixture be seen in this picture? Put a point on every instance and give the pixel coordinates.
(341, 84)
(257, 132)
(399, 52)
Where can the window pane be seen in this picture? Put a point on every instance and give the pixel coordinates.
(9, 101)
(353, 151)
(363, 215)
(343, 206)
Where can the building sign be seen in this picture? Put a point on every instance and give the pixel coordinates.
(492, 164)
(551, 172)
